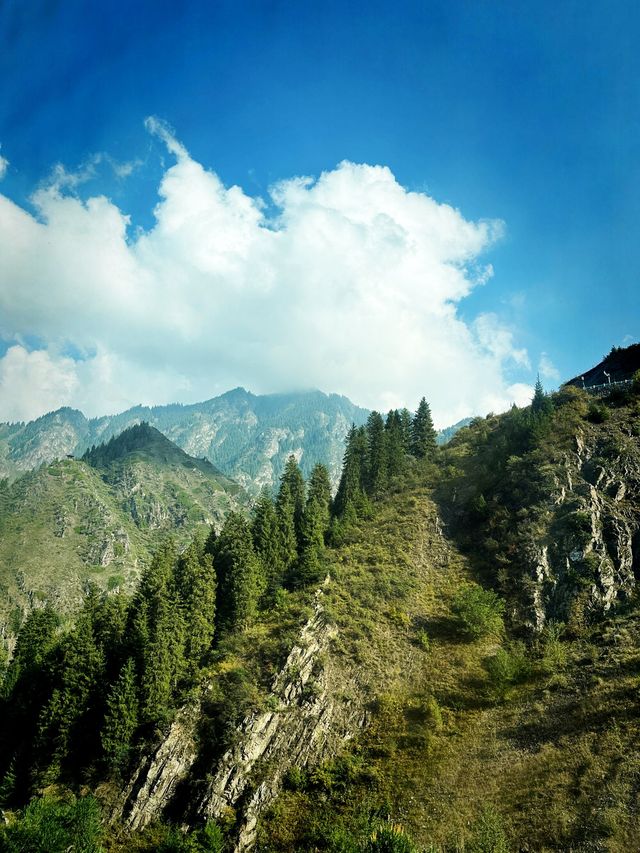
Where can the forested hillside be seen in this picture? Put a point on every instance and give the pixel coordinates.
(99, 519)
(398, 668)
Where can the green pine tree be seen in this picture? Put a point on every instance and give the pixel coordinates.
(405, 425)
(287, 537)
(319, 490)
(423, 435)
(196, 587)
(266, 541)
(8, 785)
(36, 639)
(80, 674)
(541, 403)
(240, 574)
(163, 657)
(158, 635)
(377, 462)
(293, 479)
(395, 444)
(309, 567)
(350, 498)
(121, 720)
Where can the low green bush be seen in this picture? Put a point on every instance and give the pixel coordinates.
(50, 825)
(506, 668)
(479, 611)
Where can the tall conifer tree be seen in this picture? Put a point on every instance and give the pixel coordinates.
(395, 443)
(196, 586)
(377, 461)
(293, 479)
(350, 497)
(78, 682)
(158, 634)
(121, 719)
(405, 425)
(319, 490)
(423, 435)
(240, 574)
(287, 538)
(541, 403)
(308, 569)
(267, 543)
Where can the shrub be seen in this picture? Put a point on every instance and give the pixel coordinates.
(388, 839)
(211, 838)
(598, 413)
(54, 826)
(295, 779)
(554, 653)
(423, 641)
(506, 668)
(433, 713)
(479, 611)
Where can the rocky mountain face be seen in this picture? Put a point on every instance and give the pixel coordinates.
(309, 721)
(552, 506)
(319, 701)
(249, 437)
(99, 518)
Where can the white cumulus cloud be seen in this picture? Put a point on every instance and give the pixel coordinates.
(352, 285)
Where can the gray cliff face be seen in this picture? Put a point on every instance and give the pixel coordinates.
(582, 555)
(307, 724)
(158, 776)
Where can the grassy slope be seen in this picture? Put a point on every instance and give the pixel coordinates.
(557, 759)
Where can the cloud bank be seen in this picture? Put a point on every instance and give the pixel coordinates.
(349, 283)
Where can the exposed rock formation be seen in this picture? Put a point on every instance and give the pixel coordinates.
(309, 722)
(155, 781)
(587, 554)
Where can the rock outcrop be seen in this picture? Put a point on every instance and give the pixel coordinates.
(309, 721)
(158, 776)
(582, 550)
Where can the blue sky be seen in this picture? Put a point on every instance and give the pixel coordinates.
(523, 113)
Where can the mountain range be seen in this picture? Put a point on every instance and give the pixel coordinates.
(443, 658)
(247, 436)
(461, 673)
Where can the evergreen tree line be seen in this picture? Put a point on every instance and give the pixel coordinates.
(76, 705)
(379, 451)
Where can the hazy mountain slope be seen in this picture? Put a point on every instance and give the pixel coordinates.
(445, 435)
(99, 518)
(247, 436)
(24, 446)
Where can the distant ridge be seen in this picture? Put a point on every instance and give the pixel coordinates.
(244, 435)
(100, 517)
